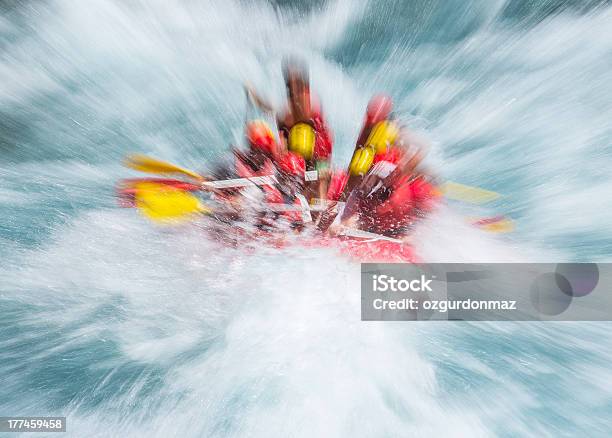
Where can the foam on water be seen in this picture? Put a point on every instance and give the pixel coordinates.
(132, 330)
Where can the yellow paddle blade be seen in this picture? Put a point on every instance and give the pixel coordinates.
(162, 204)
(151, 165)
(504, 226)
(461, 192)
(494, 225)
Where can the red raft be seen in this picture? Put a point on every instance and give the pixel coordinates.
(378, 251)
(370, 250)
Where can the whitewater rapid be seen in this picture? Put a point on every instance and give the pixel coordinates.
(132, 330)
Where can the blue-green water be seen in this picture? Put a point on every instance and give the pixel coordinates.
(134, 331)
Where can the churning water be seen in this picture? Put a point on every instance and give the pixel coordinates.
(130, 330)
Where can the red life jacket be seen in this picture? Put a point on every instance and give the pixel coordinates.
(397, 207)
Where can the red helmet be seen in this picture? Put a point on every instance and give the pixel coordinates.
(292, 164)
(260, 136)
(379, 108)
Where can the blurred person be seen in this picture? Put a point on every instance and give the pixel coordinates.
(393, 195)
(262, 151)
(257, 160)
(380, 140)
(302, 126)
(265, 205)
(284, 201)
(378, 137)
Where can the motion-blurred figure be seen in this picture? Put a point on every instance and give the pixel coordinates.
(284, 201)
(265, 205)
(385, 187)
(379, 137)
(262, 151)
(390, 198)
(301, 124)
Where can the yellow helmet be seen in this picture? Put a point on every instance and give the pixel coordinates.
(382, 136)
(302, 140)
(362, 160)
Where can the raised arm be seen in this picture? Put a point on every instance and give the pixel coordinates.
(257, 100)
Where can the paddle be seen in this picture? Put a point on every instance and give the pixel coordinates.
(152, 165)
(450, 189)
(147, 164)
(164, 204)
(353, 232)
(462, 192)
(475, 195)
(130, 183)
(497, 224)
